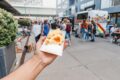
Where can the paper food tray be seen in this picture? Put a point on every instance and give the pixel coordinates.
(51, 47)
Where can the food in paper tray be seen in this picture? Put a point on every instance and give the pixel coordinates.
(54, 42)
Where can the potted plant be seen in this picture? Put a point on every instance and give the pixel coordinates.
(8, 30)
(24, 22)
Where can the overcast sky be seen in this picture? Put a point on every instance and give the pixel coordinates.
(49, 3)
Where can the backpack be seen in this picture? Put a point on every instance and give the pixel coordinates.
(68, 28)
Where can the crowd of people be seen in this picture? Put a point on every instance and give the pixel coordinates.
(87, 30)
(42, 29)
(114, 33)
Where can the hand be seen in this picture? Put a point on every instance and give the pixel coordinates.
(47, 58)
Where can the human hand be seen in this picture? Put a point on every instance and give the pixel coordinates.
(46, 58)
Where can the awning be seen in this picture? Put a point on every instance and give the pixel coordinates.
(5, 5)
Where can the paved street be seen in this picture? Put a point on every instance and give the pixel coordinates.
(86, 61)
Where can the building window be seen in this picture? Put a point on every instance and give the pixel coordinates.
(109, 3)
(87, 4)
(71, 2)
(69, 11)
(118, 19)
(106, 3)
(116, 2)
(115, 18)
(76, 9)
(76, 1)
(59, 2)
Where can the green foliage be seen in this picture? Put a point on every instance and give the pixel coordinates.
(8, 28)
(24, 22)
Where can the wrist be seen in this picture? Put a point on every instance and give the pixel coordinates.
(39, 58)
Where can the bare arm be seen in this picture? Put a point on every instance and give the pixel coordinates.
(31, 69)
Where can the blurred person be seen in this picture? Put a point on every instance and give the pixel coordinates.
(24, 31)
(115, 33)
(93, 31)
(33, 67)
(77, 31)
(58, 23)
(37, 30)
(46, 28)
(61, 25)
(54, 26)
(114, 28)
(90, 30)
(108, 28)
(84, 30)
(68, 33)
(64, 25)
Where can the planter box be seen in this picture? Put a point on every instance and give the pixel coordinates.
(7, 58)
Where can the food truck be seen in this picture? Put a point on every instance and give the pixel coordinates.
(99, 16)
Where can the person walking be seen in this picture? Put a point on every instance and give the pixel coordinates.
(93, 31)
(84, 30)
(108, 28)
(68, 31)
(37, 29)
(61, 25)
(90, 30)
(46, 28)
(64, 26)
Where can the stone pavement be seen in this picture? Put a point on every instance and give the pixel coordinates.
(28, 55)
(86, 61)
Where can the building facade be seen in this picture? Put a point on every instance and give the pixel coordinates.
(62, 6)
(34, 7)
(112, 6)
(71, 7)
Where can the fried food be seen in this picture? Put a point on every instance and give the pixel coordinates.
(55, 37)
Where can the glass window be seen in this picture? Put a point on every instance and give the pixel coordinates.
(116, 2)
(76, 1)
(106, 3)
(71, 2)
(118, 19)
(109, 3)
(58, 2)
(76, 9)
(113, 18)
(87, 4)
